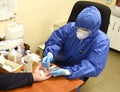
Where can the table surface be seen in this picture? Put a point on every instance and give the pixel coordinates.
(54, 84)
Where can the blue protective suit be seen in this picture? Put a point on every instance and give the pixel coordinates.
(83, 58)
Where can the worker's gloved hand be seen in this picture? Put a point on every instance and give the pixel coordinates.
(47, 60)
(59, 72)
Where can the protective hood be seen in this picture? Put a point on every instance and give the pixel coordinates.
(89, 18)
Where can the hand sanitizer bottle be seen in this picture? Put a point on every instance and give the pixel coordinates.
(28, 63)
(12, 55)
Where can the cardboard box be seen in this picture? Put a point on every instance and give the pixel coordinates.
(10, 67)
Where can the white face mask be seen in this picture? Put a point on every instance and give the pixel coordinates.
(82, 34)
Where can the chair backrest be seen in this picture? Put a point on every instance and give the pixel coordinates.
(104, 10)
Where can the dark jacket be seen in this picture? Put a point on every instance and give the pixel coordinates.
(15, 80)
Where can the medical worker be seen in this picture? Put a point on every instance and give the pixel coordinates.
(79, 48)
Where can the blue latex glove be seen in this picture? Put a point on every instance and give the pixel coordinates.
(47, 60)
(58, 72)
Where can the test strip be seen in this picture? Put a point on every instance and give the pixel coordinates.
(52, 67)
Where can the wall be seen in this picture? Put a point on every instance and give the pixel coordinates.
(39, 16)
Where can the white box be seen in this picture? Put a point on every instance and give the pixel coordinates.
(10, 67)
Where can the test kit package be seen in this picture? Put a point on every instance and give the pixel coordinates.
(8, 66)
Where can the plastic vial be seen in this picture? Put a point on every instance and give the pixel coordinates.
(19, 54)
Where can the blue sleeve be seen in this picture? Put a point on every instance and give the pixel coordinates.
(93, 64)
(56, 40)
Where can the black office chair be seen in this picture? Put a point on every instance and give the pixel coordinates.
(104, 10)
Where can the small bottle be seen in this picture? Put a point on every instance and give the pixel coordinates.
(12, 55)
(28, 62)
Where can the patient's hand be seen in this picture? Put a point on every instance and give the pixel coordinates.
(41, 74)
